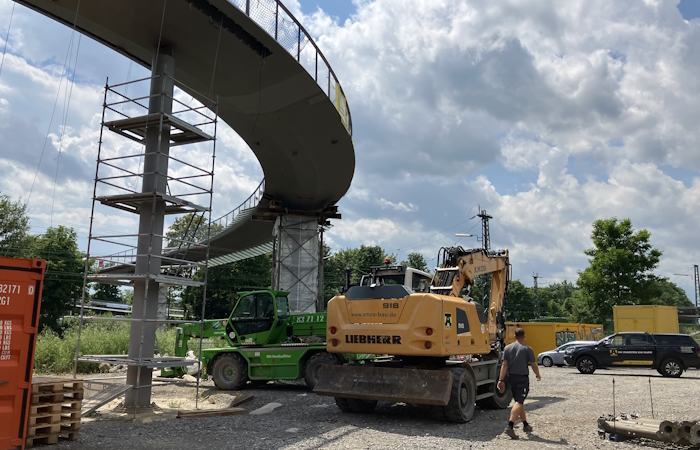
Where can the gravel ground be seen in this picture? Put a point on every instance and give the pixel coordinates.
(563, 409)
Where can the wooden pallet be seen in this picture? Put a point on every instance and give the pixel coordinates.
(54, 411)
(51, 438)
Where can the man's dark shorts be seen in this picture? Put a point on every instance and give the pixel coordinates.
(520, 387)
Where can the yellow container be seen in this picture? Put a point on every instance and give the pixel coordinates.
(545, 336)
(648, 318)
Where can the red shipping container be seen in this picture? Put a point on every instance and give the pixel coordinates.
(21, 281)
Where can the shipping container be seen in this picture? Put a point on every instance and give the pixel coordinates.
(21, 281)
(545, 336)
(648, 318)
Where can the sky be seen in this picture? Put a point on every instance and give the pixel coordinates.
(548, 114)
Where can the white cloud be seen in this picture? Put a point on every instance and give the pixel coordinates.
(549, 114)
(400, 206)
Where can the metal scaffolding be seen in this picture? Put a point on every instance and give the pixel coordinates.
(156, 121)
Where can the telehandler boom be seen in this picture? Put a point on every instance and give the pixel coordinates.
(423, 331)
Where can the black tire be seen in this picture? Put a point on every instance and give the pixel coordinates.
(547, 361)
(461, 406)
(230, 372)
(671, 367)
(342, 404)
(313, 367)
(500, 400)
(586, 365)
(361, 406)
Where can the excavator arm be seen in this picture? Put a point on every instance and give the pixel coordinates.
(459, 268)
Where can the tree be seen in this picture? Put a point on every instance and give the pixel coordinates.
(223, 284)
(190, 227)
(359, 260)
(417, 261)
(14, 225)
(620, 267)
(668, 293)
(555, 299)
(63, 281)
(520, 305)
(106, 292)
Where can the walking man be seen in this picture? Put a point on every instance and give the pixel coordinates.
(516, 357)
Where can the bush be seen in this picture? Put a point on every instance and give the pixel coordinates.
(56, 354)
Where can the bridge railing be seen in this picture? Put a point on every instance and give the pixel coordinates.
(250, 202)
(273, 17)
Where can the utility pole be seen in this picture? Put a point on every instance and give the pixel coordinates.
(697, 292)
(485, 235)
(535, 276)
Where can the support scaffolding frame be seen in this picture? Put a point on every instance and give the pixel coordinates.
(124, 197)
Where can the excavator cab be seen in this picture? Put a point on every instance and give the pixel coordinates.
(258, 318)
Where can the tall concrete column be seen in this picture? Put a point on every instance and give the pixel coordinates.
(297, 258)
(151, 222)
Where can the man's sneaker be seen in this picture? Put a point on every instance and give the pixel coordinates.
(527, 428)
(511, 432)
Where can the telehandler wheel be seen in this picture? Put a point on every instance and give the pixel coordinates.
(500, 400)
(342, 404)
(462, 399)
(230, 372)
(313, 367)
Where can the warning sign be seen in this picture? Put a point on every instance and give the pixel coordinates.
(448, 321)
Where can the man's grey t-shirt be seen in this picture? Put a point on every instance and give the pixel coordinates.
(519, 357)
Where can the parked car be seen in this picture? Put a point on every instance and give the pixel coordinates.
(669, 354)
(556, 357)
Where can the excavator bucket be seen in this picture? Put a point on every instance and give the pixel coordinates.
(426, 387)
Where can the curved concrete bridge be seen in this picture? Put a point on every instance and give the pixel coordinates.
(275, 89)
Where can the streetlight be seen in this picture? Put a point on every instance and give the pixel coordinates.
(464, 235)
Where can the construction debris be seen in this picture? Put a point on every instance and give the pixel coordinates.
(212, 413)
(240, 399)
(632, 427)
(266, 409)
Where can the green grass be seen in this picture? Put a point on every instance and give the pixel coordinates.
(56, 354)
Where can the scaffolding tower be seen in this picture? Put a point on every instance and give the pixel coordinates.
(157, 122)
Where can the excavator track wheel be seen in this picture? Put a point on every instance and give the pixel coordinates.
(230, 372)
(462, 398)
(313, 367)
(342, 404)
(361, 406)
(500, 399)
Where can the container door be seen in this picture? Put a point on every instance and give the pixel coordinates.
(20, 297)
(624, 325)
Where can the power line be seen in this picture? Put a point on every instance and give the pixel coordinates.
(7, 38)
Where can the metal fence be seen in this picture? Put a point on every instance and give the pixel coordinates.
(273, 17)
(250, 202)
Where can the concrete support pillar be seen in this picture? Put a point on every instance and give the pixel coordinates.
(151, 222)
(296, 260)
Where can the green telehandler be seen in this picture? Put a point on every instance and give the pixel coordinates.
(261, 341)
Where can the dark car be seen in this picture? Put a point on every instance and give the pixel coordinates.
(669, 354)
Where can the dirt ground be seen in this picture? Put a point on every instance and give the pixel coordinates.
(563, 409)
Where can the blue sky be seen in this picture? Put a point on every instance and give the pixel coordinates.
(340, 9)
(690, 9)
(548, 120)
